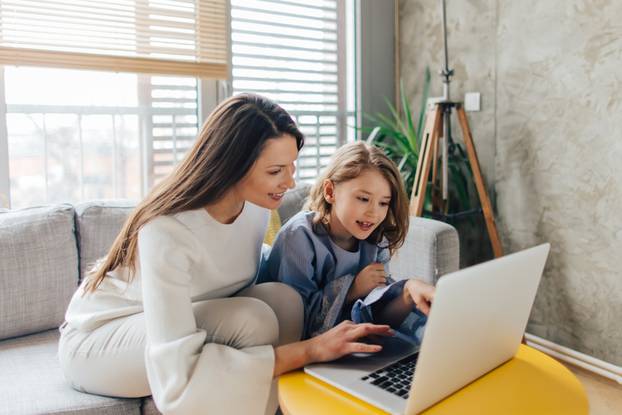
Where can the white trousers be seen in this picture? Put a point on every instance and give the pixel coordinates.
(110, 360)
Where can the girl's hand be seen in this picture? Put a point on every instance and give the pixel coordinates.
(370, 277)
(419, 294)
(342, 339)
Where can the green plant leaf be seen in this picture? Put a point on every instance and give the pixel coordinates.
(401, 124)
(412, 133)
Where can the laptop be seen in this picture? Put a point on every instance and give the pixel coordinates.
(476, 323)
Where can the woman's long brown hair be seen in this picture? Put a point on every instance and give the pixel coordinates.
(226, 148)
(348, 163)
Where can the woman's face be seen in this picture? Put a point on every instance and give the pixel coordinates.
(272, 174)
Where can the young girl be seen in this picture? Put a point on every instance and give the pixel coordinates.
(337, 252)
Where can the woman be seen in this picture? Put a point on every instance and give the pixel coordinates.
(166, 311)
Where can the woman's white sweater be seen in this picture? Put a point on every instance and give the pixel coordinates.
(184, 258)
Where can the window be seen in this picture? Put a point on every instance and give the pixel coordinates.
(83, 135)
(299, 54)
(113, 131)
(68, 135)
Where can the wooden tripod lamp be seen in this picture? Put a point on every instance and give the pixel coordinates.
(436, 138)
(429, 156)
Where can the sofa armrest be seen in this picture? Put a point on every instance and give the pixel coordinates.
(431, 249)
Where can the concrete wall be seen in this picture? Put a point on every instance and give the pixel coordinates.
(549, 141)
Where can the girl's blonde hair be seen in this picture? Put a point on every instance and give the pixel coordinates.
(349, 162)
(226, 148)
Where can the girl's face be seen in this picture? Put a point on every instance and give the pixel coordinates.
(358, 206)
(272, 174)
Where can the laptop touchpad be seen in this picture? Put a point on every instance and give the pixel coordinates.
(393, 348)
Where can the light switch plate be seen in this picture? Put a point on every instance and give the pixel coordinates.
(472, 101)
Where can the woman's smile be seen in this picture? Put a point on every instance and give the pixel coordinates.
(276, 196)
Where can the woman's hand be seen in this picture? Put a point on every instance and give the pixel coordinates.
(370, 277)
(419, 294)
(343, 339)
(333, 344)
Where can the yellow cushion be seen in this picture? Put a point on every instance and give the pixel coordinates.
(273, 227)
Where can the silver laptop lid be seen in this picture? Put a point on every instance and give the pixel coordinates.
(477, 320)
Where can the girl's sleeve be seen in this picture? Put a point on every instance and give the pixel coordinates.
(384, 257)
(294, 261)
(186, 374)
(362, 310)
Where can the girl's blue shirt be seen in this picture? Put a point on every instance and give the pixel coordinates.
(304, 257)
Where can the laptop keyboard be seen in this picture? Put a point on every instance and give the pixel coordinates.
(396, 377)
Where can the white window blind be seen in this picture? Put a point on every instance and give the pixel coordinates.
(179, 37)
(294, 53)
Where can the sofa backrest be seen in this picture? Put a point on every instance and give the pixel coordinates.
(293, 201)
(97, 225)
(38, 268)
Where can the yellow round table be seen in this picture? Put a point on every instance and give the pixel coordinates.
(530, 383)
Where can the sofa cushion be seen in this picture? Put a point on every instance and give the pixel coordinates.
(32, 382)
(148, 407)
(38, 268)
(97, 226)
(293, 201)
(431, 249)
(274, 225)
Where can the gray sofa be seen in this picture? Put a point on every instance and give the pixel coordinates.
(44, 252)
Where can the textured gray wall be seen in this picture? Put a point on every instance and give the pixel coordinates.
(549, 141)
